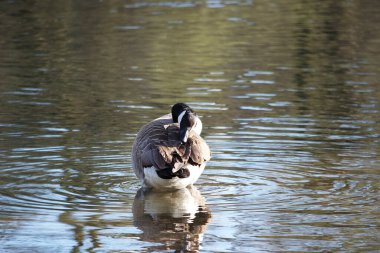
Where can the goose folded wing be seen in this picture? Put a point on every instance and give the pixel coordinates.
(200, 151)
(163, 157)
(166, 151)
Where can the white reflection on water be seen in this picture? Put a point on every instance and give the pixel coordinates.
(175, 220)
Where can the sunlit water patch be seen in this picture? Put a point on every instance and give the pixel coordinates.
(289, 99)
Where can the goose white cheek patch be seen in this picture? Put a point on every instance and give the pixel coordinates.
(180, 117)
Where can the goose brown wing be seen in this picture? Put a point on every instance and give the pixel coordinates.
(200, 151)
(163, 148)
(160, 147)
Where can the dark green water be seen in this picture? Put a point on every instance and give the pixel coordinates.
(289, 95)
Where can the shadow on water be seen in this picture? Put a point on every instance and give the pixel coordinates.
(175, 220)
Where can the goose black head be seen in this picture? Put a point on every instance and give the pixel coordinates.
(179, 108)
(188, 120)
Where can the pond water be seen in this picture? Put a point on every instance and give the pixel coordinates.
(289, 96)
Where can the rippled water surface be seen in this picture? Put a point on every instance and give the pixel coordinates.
(289, 96)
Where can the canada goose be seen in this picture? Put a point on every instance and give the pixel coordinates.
(168, 153)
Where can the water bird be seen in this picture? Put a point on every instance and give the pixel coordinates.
(168, 152)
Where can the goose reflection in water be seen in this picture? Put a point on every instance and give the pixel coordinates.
(176, 220)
